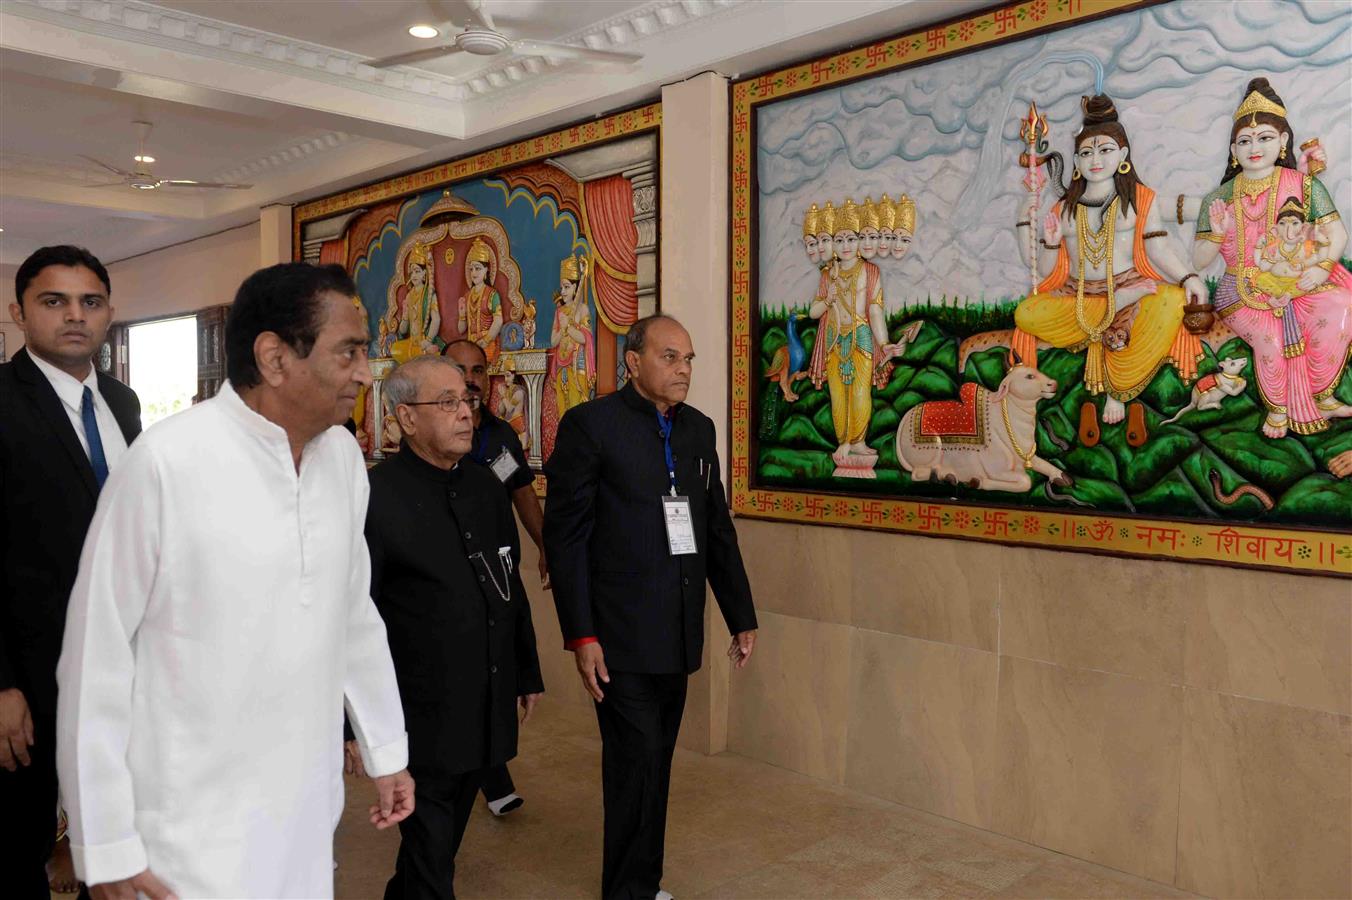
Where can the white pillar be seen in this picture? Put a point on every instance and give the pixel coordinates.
(694, 279)
(274, 234)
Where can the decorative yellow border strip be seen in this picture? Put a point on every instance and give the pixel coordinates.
(1227, 543)
(583, 134)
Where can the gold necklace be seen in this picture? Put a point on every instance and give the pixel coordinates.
(1251, 187)
(1100, 245)
(1013, 442)
(1095, 244)
(1297, 251)
(848, 282)
(1245, 187)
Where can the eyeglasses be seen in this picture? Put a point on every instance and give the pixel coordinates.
(445, 404)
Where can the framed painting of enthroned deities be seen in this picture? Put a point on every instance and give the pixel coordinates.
(542, 251)
(1064, 273)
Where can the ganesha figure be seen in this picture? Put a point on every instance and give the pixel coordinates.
(1284, 291)
(1113, 283)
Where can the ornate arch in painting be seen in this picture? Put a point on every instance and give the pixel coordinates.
(1064, 273)
(543, 252)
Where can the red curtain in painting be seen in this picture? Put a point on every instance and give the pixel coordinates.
(610, 216)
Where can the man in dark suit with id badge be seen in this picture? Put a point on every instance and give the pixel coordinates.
(636, 521)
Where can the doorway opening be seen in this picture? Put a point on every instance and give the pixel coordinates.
(162, 366)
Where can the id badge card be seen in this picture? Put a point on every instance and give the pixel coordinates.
(505, 465)
(680, 527)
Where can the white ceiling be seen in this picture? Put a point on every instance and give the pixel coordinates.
(274, 93)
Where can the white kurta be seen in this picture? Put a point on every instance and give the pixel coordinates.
(221, 615)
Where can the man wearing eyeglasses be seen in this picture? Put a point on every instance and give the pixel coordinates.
(495, 445)
(444, 556)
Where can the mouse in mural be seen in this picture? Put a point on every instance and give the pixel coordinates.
(1211, 390)
(985, 440)
(1300, 342)
(1108, 264)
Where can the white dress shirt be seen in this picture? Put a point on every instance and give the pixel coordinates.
(220, 619)
(71, 393)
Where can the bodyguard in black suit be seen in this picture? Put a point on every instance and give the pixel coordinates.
(50, 475)
(635, 522)
(444, 557)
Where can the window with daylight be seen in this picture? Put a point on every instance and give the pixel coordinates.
(162, 366)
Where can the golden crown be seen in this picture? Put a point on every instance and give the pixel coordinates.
(906, 214)
(479, 253)
(569, 269)
(1292, 205)
(1256, 103)
(810, 220)
(827, 220)
(871, 217)
(887, 214)
(848, 218)
(420, 253)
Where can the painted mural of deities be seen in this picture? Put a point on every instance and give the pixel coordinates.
(1088, 317)
(544, 266)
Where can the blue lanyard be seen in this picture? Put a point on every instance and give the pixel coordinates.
(664, 425)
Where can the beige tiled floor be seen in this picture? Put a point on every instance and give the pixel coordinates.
(737, 828)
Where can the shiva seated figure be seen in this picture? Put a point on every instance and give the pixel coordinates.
(1113, 284)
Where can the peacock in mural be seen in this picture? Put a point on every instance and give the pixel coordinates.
(786, 366)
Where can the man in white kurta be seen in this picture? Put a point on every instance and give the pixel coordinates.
(220, 616)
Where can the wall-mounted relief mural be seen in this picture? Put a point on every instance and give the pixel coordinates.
(1067, 273)
(542, 252)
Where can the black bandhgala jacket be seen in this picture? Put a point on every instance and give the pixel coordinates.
(443, 549)
(606, 540)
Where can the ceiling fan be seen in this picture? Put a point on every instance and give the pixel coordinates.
(480, 37)
(143, 180)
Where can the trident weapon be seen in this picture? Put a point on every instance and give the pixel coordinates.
(1033, 131)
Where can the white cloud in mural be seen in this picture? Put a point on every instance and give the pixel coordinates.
(1176, 72)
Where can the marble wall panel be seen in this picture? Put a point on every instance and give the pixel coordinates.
(922, 724)
(1266, 802)
(938, 590)
(1088, 764)
(1094, 612)
(1284, 638)
(790, 705)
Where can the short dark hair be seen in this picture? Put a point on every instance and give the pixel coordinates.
(283, 299)
(60, 255)
(446, 351)
(638, 332)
